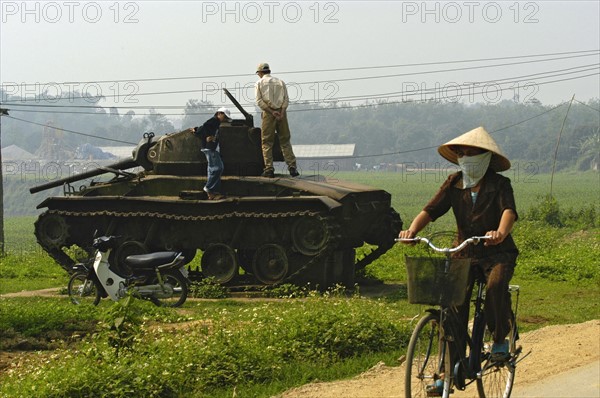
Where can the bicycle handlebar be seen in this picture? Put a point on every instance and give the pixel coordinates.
(446, 250)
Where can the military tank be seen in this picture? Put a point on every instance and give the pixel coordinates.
(277, 230)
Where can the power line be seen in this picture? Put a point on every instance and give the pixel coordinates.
(323, 81)
(584, 104)
(467, 85)
(507, 81)
(529, 118)
(73, 131)
(402, 102)
(435, 146)
(331, 69)
(352, 157)
(432, 91)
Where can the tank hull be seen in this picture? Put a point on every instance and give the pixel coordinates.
(277, 230)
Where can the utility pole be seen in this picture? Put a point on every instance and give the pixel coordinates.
(3, 112)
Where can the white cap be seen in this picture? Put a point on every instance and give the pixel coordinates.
(226, 112)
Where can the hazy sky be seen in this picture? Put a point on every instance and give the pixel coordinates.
(109, 47)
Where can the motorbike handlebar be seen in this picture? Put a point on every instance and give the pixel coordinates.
(104, 243)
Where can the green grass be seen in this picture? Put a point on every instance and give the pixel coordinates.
(37, 318)
(259, 348)
(412, 190)
(19, 237)
(279, 344)
(31, 271)
(544, 302)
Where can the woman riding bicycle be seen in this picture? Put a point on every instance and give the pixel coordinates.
(483, 204)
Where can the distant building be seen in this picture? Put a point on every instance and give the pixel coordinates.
(16, 153)
(120, 152)
(91, 152)
(325, 157)
(316, 158)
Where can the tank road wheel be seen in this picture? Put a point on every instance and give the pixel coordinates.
(52, 230)
(270, 264)
(310, 235)
(219, 262)
(245, 257)
(128, 248)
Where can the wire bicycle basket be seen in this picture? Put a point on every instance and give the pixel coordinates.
(429, 283)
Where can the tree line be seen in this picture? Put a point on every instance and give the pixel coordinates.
(391, 133)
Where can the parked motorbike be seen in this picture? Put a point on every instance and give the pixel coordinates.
(160, 277)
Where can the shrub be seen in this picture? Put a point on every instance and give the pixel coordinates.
(207, 288)
(548, 211)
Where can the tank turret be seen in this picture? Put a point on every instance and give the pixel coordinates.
(277, 230)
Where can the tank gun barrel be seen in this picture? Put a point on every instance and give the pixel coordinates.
(249, 117)
(122, 165)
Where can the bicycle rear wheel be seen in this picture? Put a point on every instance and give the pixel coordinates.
(497, 377)
(427, 359)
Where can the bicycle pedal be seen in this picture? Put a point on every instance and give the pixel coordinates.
(517, 353)
(436, 389)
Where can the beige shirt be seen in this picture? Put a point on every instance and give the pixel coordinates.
(271, 93)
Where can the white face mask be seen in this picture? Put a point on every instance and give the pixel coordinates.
(473, 168)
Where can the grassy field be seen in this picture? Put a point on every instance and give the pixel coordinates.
(257, 347)
(411, 190)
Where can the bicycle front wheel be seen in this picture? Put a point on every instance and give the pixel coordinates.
(427, 360)
(83, 290)
(497, 377)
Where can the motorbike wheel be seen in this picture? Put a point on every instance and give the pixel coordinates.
(180, 290)
(82, 290)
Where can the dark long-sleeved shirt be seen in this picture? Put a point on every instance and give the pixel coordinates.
(494, 197)
(209, 128)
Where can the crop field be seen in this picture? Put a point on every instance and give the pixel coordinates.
(412, 189)
(257, 347)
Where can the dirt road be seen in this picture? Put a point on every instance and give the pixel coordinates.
(554, 350)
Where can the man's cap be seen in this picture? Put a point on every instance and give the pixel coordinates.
(264, 68)
(226, 112)
(477, 138)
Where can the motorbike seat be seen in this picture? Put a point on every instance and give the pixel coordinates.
(154, 260)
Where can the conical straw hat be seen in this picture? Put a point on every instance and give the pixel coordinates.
(478, 138)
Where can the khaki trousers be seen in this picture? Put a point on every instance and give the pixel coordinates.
(269, 126)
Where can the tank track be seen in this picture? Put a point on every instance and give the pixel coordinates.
(373, 255)
(55, 249)
(334, 237)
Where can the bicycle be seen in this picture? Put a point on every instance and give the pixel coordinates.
(429, 369)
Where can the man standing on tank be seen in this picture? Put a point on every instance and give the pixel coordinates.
(209, 136)
(272, 99)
